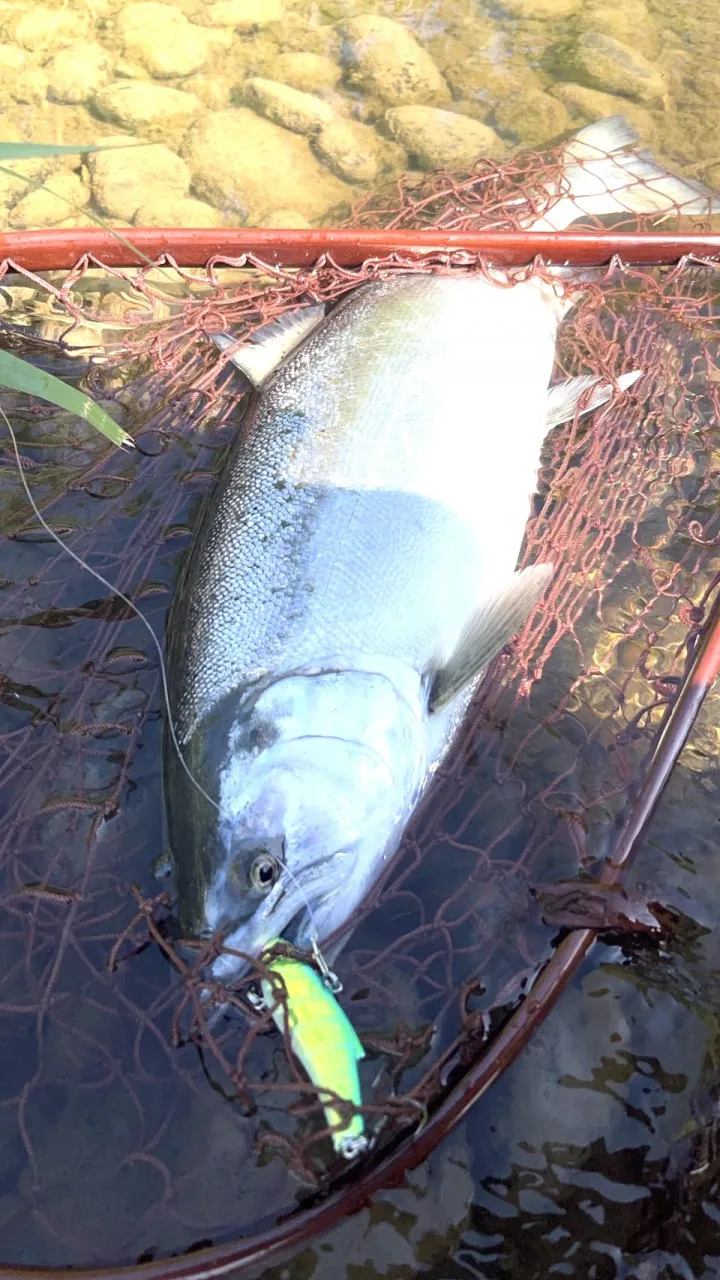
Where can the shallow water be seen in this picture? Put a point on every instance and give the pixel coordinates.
(594, 1155)
(233, 150)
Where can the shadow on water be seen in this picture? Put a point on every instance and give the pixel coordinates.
(594, 1156)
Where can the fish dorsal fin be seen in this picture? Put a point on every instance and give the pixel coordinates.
(562, 399)
(496, 621)
(269, 345)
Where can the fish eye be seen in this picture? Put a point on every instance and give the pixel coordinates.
(264, 872)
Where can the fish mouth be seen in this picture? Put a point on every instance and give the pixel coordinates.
(286, 914)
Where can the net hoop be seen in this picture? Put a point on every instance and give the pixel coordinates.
(61, 249)
(65, 249)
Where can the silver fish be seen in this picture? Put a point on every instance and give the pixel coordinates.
(354, 574)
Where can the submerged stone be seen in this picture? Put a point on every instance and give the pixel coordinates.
(291, 108)
(532, 119)
(603, 62)
(248, 166)
(151, 108)
(353, 150)
(76, 73)
(385, 60)
(123, 179)
(442, 139)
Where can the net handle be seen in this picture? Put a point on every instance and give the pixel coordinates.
(193, 247)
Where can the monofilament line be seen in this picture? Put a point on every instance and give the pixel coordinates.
(125, 599)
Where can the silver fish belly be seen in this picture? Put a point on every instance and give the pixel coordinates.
(377, 496)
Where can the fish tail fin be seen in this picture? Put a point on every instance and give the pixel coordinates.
(607, 173)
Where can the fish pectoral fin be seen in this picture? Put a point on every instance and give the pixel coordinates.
(496, 621)
(563, 398)
(269, 345)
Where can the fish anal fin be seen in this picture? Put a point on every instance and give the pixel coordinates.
(564, 397)
(496, 621)
(270, 344)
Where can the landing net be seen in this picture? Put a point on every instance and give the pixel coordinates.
(184, 1134)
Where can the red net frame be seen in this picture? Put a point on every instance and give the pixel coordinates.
(628, 312)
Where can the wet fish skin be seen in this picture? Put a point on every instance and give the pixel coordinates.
(337, 566)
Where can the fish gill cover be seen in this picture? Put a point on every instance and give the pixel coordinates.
(181, 1130)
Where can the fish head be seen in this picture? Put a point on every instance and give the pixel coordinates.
(306, 823)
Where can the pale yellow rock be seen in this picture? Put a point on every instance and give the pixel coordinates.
(162, 39)
(214, 92)
(588, 105)
(352, 150)
(153, 109)
(532, 119)
(124, 179)
(602, 62)
(287, 219)
(628, 21)
(61, 196)
(182, 211)
(482, 81)
(243, 15)
(40, 29)
(439, 139)
(247, 166)
(76, 73)
(384, 59)
(11, 58)
(291, 108)
(29, 86)
(310, 72)
(543, 9)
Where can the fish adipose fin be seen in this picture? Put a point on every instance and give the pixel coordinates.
(563, 398)
(269, 345)
(496, 621)
(607, 173)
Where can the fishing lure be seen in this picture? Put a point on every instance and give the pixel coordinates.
(325, 1043)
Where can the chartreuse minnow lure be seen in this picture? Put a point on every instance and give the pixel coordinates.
(325, 1043)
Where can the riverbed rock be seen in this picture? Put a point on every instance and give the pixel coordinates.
(310, 72)
(629, 22)
(545, 10)
(243, 15)
(247, 166)
(602, 62)
(480, 81)
(76, 73)
(386, 61)
(531, 119)
(351, 150)
(287, 219)
(439, 139)
(40, 29)
(61, 197)
(11, 58)
(588, 105)
(123, 179)
(177, 211)
(292, 108)
(155, 110)
(162, 39)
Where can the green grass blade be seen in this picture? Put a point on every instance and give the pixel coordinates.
(30, 150)
(20, 375)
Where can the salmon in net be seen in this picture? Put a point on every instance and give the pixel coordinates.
(205, 1124)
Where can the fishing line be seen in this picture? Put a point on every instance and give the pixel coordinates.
(330, 979)
(125, 599)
